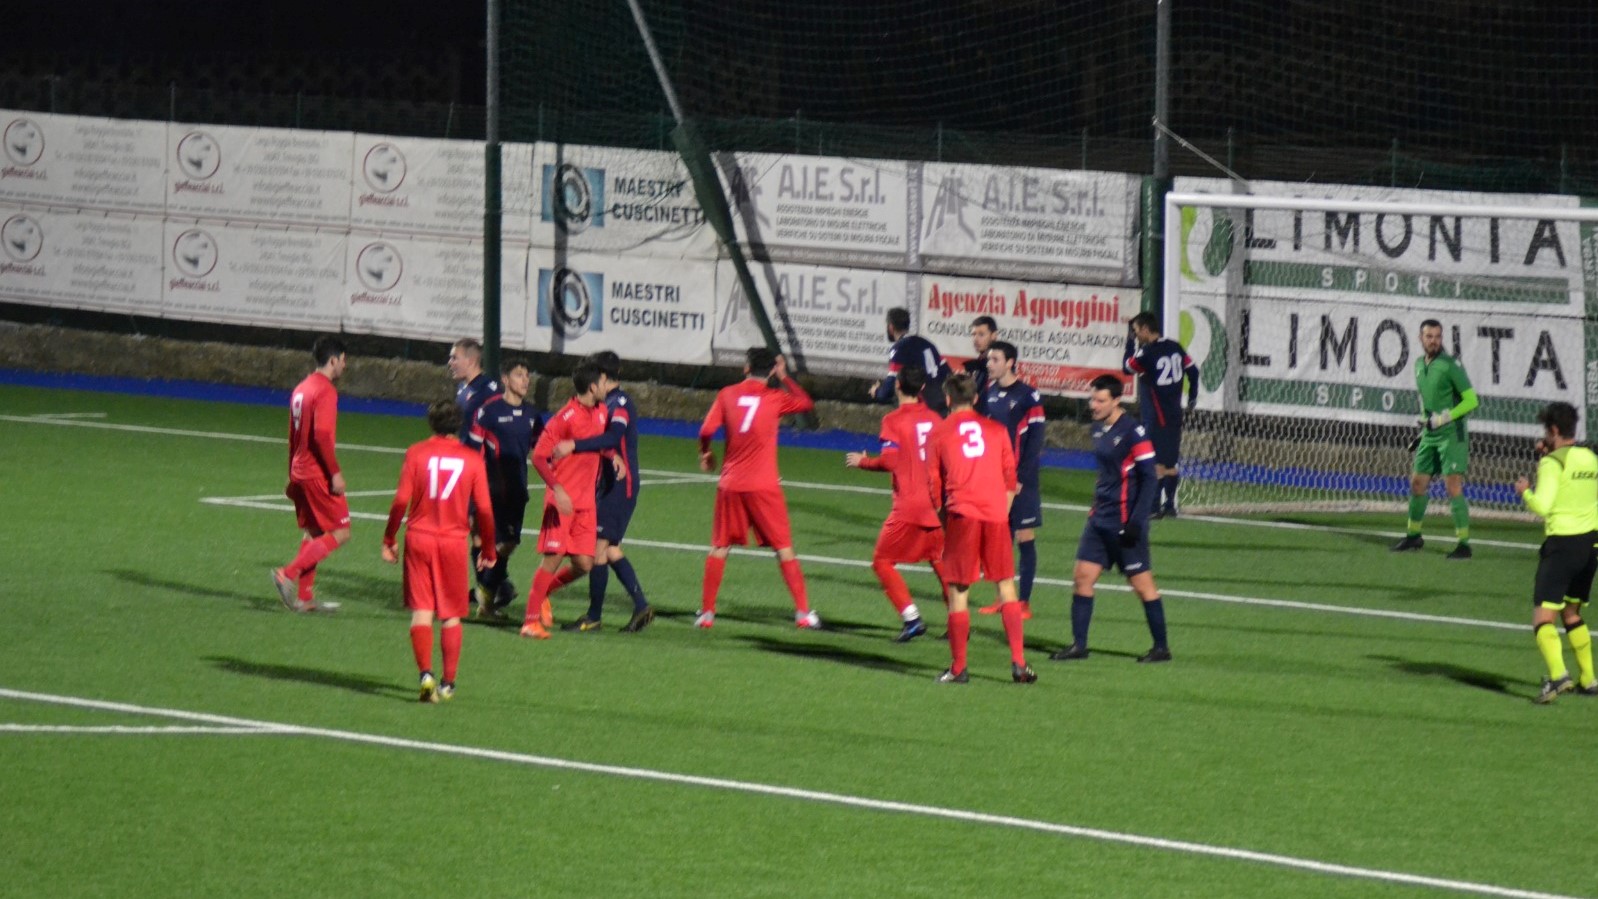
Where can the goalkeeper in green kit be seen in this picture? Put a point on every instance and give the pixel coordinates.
(1446, 397)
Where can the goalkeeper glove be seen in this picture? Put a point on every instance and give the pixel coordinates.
(1130, 533)
(1437, 420)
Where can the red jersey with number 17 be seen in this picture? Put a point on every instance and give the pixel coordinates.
(438, 481)
(905, 434)
(971, 467)
(750, 412)
(577, 472)
(313, 424)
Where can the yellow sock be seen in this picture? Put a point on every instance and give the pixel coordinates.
(1581, 644)
(1553, 657)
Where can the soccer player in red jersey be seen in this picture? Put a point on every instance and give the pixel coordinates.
(441, 480)
(749, 492)
(912, 532)
(316, 485)
(569, 527)
(971, 474)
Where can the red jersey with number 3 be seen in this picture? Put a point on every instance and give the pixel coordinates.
(971, 467)
(750, 412)
(313, 425)
(577, 472)
(440, 478)
(905, 435)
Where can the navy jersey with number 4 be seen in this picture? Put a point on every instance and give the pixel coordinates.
(506, 435)
(621, 435)
(1125, 490)
(1020, 409)
(1163, 365)
(914, 350)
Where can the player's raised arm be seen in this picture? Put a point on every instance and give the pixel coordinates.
(798, 399)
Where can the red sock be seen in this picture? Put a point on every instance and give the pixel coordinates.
(565, 576)
(307, 583)
(943, 582)
(796, 585)
(311, 552)
(1014, 631)
(959, 635)
(538, 595)
(422, 645)
(892, 584)
(451, 638)
(715, 567)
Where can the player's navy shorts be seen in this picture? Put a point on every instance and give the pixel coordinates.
(615, 510)
(1167, 442)
(1027, 510)
(1565, 568)
(1101, 545)
(510, 510)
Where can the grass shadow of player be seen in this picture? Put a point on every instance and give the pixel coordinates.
(744, 616)
(362, 589)
(874, 661)
(838, 518)
(266, 599)
(1470, 677)
(315, 676)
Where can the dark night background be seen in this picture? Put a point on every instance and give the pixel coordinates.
(1478, 93)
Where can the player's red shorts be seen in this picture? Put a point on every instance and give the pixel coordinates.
(316, 508)
(736, 511)
(901, 542)
(435, 574)
(977, 550)
(569, 535)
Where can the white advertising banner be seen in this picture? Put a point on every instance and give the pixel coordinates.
(81, 260)
(617, 201)
(830, 319)
(431, 289)
(258, 174)
(253, 276)
(1066, 335)
(1313, 313)
(823, 210)
(654, 309)
(1029, 223)
(418, 186)
(516, 187)
(101, 164)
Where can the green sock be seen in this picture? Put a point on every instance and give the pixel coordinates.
(1553, 657)
(1581, 645)
(1417, 511)
(1459, 507)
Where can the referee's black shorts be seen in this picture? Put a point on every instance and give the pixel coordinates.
(1565, 568)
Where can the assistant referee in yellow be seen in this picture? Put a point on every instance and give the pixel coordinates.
(1566, 499)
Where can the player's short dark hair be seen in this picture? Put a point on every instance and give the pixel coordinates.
(609, 363)
(1107, 382)
(1146, 320)
(1005, 349)
(986, 321)
(444, 417)
(469, 345)
(585, 376)
(761, 361)
(1431, 323)
(1561, 417)
(911, 380)
(961, 389)
(899, 319)
(325, 348)
(511, 363)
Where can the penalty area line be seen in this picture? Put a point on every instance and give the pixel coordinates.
(120, 729)
(817, 796)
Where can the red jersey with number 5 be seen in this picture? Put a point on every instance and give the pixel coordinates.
(971, 467)
(577, 472)
(750, 412)
(905, 435)
(440, 478)
(313, 425)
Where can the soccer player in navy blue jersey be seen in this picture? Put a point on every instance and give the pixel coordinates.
(1162, 364)
(1016, 405)
(1116, 533)
(911, 349)
(616, 496)
(504, 430)
(476, 386)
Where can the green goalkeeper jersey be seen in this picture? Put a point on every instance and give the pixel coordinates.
(1566, 497)
(1443, 385)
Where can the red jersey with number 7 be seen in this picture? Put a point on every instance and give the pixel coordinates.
(905, 434)
(577, 472)
(438, 481)
(750, 412)
(971, 467)
(313, 426)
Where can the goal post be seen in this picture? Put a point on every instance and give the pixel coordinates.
(1302, 305)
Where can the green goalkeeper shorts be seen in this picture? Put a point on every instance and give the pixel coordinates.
(1442, 457)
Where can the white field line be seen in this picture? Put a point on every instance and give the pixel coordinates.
(838, 799)
(69, 415)
(684, 477)
(282, 506)
(161, 730)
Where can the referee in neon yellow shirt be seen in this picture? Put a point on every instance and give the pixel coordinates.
(1566, 499)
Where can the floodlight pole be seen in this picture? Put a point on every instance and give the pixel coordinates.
(1155, 189)
(492, 201)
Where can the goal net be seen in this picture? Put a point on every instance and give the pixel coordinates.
(1302, 305)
